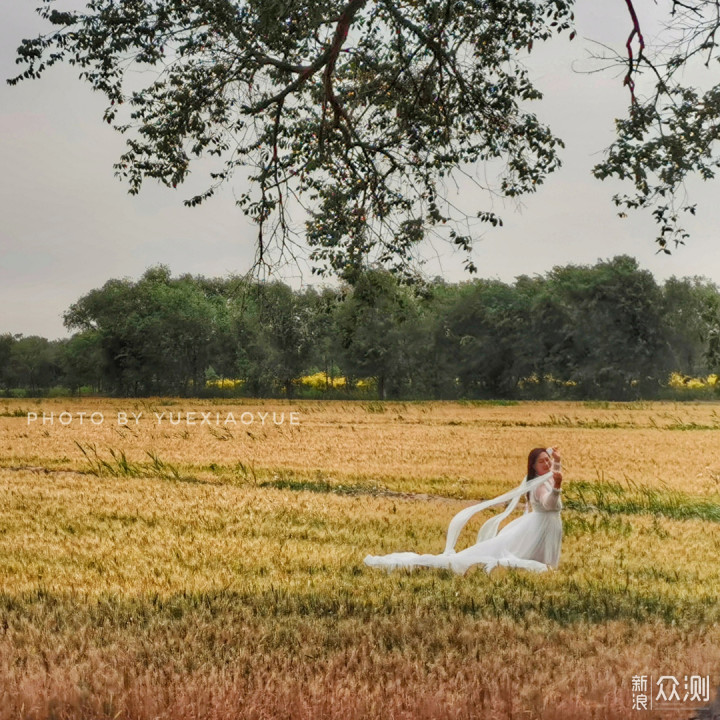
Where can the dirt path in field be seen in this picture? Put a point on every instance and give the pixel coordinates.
(373, 492)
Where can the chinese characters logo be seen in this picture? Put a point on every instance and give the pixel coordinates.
(669, 691)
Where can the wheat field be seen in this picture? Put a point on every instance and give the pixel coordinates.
(203, 559)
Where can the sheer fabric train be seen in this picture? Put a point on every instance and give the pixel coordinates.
(531, 542)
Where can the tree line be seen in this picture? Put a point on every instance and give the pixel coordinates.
(607, 331)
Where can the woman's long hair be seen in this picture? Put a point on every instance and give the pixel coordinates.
(532, 459)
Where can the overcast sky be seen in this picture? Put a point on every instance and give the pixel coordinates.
(67, 225)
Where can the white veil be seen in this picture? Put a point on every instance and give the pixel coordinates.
(490, 528)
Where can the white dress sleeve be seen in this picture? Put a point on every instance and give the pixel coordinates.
(547, 497)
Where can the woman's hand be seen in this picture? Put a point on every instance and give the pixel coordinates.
(557, 480)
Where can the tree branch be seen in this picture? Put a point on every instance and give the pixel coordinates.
(632, 64)
(326, 59)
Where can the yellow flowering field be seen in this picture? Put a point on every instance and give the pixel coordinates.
(172, 558)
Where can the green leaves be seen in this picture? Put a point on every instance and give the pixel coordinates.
(673, 132)
(355, 113)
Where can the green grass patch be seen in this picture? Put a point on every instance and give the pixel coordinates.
(614, 499)
(315, 486)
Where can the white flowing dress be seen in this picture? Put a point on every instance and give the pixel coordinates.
(531, 542)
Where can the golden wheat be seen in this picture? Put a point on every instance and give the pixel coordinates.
(215, 570)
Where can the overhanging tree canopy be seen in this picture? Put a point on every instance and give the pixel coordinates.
(361, 112)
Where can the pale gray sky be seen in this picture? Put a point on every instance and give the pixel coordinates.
(67, 225)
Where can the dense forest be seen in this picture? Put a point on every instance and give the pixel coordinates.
(607, 331)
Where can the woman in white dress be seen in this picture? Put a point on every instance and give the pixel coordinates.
(531, 542)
